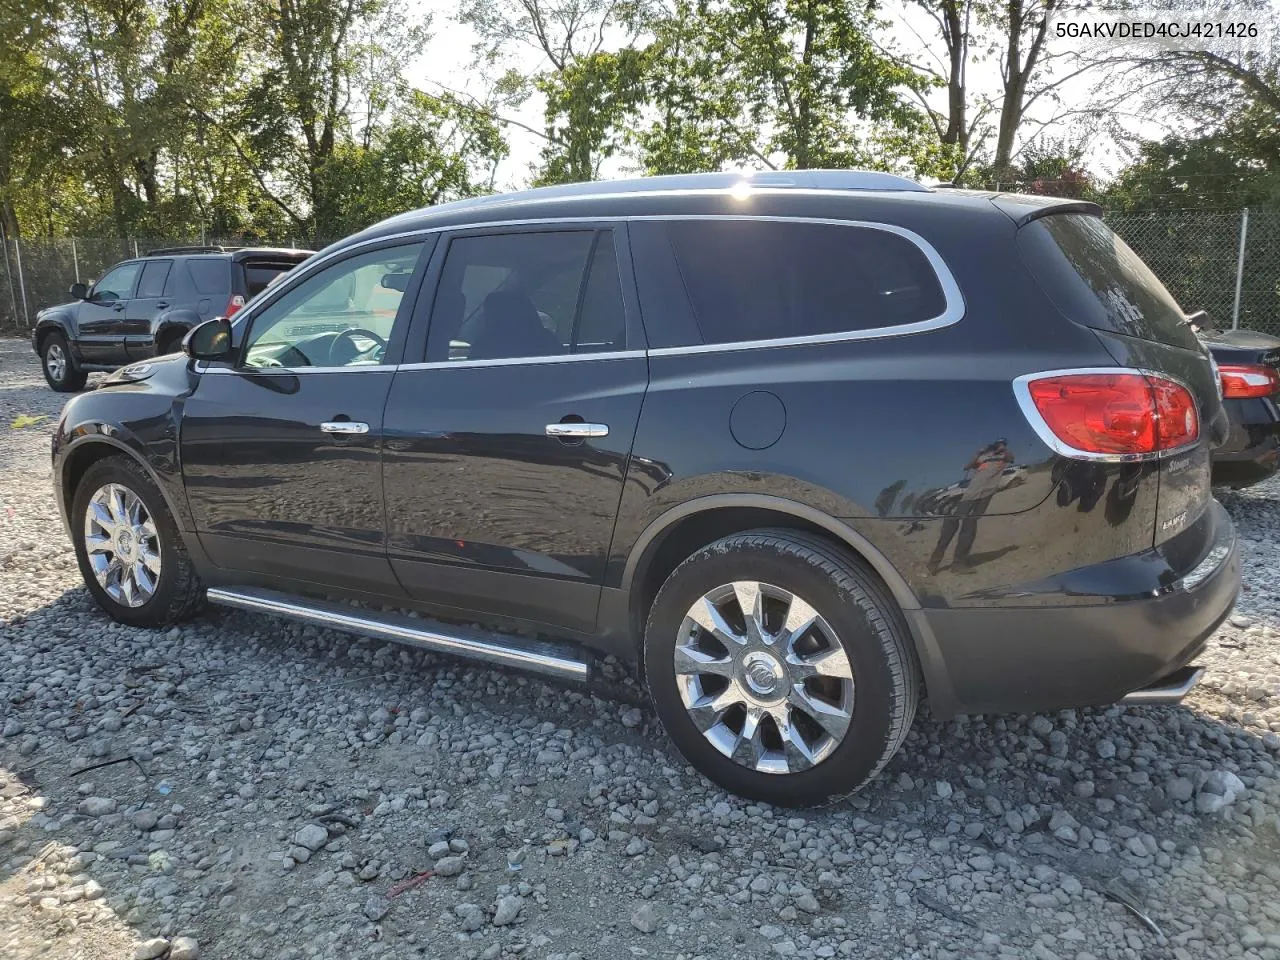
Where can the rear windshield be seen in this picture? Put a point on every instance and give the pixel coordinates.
(259, 275)
(1096, 279)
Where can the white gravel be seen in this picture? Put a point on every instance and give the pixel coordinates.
(280, 786)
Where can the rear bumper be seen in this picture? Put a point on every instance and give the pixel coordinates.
(1154, 618)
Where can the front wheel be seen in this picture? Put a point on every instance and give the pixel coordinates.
(59, 368)
(130, 552)
(780, 667)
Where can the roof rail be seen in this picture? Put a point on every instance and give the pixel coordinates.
(170, 251)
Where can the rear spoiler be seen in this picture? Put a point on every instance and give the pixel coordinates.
(1022, 209)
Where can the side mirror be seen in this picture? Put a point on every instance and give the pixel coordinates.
(210, 340)
(80, 291)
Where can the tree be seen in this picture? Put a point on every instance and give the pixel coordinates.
(587, 72)
(1237, 166)
(795, 83)
(983, 128)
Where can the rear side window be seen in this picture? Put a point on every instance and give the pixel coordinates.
(154, 274)
(258, 276)
(767, 280)
(1095, 279)
(527, 295)
(210, 276)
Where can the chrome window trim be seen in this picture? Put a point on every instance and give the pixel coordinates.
(295, 371)
(1050, 439)
(953, 312)
(524, 361)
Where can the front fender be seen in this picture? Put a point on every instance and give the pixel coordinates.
(140, 419)
(59, 320)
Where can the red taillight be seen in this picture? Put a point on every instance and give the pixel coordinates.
(1114, 414)
(234, 304)
(1243, 380)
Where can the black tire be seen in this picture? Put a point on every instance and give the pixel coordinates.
(71, 378)
(170, 342)
(869, 627)
(179, 594)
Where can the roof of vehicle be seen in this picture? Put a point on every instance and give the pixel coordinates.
(235, 253)
(750, 192)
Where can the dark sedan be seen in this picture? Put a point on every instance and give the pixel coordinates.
(1249, 366)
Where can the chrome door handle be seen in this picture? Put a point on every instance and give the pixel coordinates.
(344, 426)
(577, 431)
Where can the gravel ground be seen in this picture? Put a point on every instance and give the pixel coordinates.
(270, 790)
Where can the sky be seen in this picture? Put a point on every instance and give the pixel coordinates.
(448, 60)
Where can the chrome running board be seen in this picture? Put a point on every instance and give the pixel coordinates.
(426, 634)
(1168, 689)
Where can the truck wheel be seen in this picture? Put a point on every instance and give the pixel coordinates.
(780, 667)
(59, 367)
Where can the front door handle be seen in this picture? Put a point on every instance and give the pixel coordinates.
(344, 426)
(577, 431)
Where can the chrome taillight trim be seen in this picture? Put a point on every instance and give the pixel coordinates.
(1022, 392)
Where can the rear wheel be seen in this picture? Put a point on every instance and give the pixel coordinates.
(59, 368)
(780, 667)
(128, 547)
(170, 342)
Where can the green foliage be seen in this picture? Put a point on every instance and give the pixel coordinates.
(795, 83)
(1238, 166)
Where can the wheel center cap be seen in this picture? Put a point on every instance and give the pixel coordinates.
(124, 542)
(762, 673)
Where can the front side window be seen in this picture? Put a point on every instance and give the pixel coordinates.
(341, 316)
(768, 280)
(117, 284)
(528, 295)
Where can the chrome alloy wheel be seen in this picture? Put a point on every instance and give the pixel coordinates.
(764, 677)
(55, 361)
(123, 546)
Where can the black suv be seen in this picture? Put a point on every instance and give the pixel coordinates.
(144, 307)
(807, 446)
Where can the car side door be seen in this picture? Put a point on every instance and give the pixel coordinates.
(100, 320)
(281, 447)
(140, 313)
(507, 445)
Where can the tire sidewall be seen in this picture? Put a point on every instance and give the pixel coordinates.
(68, 370)
(858, 756)
(127, 473)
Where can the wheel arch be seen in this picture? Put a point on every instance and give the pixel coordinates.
(700, 517)
(84, 453)
(689, 526)
(56, 324)
(175, 323)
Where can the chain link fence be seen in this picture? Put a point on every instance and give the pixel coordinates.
(1195, 252)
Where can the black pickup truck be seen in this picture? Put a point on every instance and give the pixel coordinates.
(143, 307)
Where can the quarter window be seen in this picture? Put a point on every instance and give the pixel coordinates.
(528, 295)
(210, 275)
(766, 280)
(341, 316)
(154, 274)
(117, 284)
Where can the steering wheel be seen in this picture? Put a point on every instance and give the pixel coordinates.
(349, 336)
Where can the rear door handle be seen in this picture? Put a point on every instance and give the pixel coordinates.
(344, 426)
(163, 304)
(577, 431)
